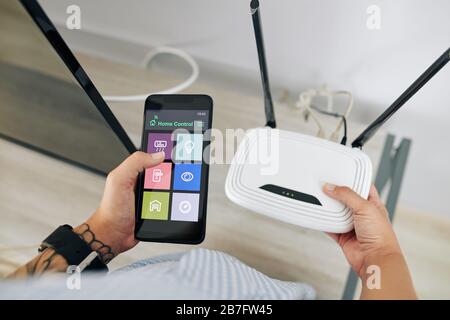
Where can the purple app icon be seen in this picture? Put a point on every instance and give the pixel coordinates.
(160, 142)
(185, 207)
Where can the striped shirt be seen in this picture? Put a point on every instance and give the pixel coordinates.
(196, 274)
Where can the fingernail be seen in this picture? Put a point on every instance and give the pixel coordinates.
(158, 155)
(330, 187)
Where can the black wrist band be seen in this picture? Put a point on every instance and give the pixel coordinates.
(72, 247)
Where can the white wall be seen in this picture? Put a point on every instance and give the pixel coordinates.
(311, 42)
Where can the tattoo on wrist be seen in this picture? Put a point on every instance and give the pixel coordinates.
(47, 261)
(50, 261)
(104, 251)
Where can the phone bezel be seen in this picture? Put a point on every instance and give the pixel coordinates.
(176, 102)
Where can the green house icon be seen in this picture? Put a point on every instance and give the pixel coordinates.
(153, 121)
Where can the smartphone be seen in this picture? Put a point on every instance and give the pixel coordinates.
(171, 197)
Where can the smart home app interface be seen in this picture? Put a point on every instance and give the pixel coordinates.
(172, 190)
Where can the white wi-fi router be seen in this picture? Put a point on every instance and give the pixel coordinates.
(280, 173)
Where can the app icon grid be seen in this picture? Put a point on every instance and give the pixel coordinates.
(175, 180)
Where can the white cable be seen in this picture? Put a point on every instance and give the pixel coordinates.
(335, 134)
(145, 62)
(305, 102)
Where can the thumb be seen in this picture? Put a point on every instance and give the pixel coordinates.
(347, 196)
(137, 162)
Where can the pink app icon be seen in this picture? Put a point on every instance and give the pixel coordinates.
(158, 177)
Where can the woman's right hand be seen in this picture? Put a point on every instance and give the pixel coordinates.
(372, 242)
(372, 235)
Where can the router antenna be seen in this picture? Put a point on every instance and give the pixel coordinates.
(404, 97)
(268, 103)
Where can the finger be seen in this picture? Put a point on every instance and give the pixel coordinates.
(333, 236)
(374, 196)
(138, 162)
(347, 196)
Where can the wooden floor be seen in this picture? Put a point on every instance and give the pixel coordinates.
(37, 193)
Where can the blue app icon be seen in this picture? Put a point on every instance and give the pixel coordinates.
(187, 176)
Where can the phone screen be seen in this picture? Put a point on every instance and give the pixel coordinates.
(171, 197)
